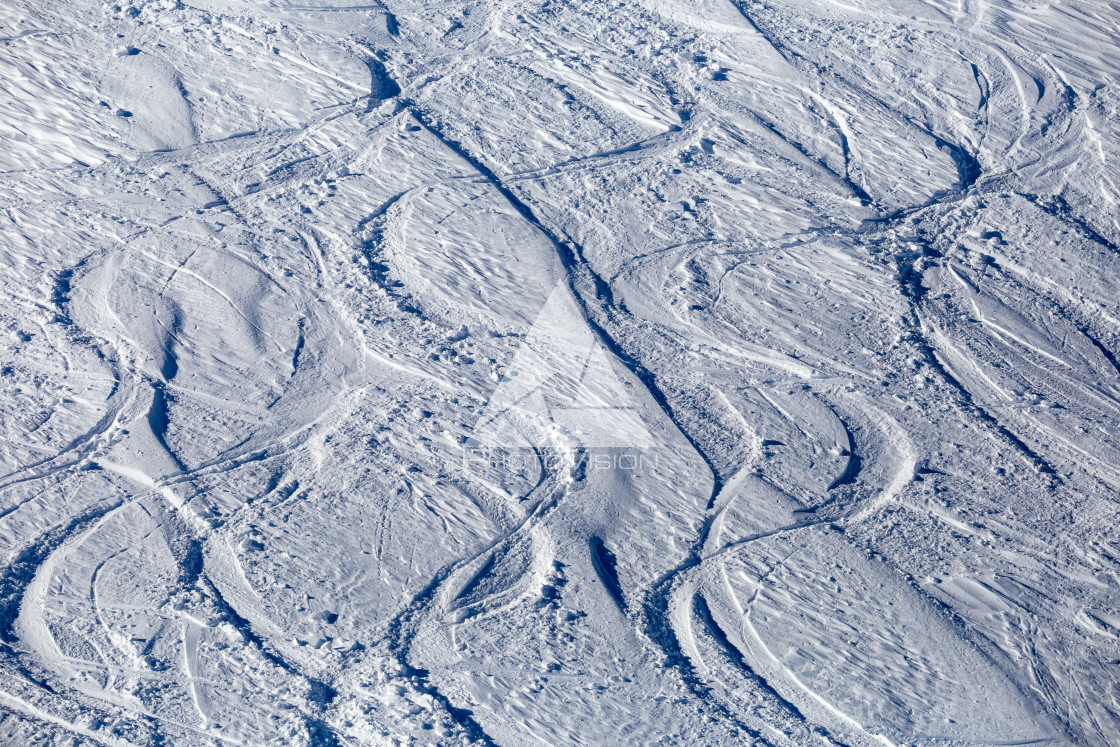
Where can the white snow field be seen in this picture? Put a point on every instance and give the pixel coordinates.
(560, 372)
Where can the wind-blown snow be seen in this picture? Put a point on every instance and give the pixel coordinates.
(559, 372)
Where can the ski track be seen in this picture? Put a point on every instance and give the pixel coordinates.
(226, 288)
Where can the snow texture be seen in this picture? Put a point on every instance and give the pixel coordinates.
(563, 372)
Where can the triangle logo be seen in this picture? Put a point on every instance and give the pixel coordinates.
(561, 390)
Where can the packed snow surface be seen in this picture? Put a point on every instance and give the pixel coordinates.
(562, 372)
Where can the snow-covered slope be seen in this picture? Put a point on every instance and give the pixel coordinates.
(559, 372)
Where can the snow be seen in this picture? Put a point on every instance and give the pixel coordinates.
(559, 372)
